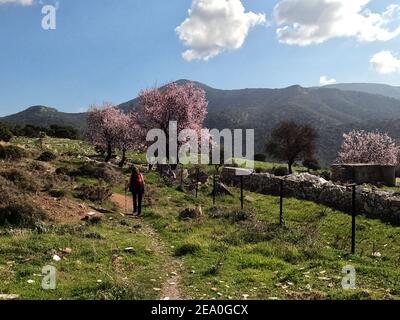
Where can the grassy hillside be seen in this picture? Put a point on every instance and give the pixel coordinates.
(225, 254)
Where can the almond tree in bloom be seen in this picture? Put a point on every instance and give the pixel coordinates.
(129, 135)
(109, 128)
(369, 147)
(186, 104)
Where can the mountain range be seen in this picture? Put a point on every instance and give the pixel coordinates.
(333, 110)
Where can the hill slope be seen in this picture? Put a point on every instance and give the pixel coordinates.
(372, 88)
(45, 116)
(331, 111)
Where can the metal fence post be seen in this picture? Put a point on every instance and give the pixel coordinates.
(353, 220)
(281, 219)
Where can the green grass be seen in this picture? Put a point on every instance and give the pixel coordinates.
(284, 262)
(96, 269)
(222, 259)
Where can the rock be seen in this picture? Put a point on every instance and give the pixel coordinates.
(191, 213)
(376, 254)
(67, 251)
(181, 174)
(93, 217)
(56, 258)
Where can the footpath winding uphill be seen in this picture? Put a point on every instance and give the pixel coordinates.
(171, 288)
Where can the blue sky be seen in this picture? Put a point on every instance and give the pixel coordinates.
(110, 49)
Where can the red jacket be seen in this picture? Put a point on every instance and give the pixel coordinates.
(136, 183)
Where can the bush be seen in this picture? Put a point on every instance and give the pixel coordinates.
(281, 171)
(21, 180)
(311, 164)
(12, 153)
(187, 248)
(57, 193)
(21, 214)
(62, 171)
(260, 157)
(64, 132)
(47, 156)
(5, 133)
(93, 193)
(102, 172)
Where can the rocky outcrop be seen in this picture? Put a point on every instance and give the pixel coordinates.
(374, 203)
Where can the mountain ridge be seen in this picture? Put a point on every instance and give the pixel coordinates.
(331, 110)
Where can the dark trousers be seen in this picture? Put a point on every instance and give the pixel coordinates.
(137, 202)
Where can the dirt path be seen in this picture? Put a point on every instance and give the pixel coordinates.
(170, 290)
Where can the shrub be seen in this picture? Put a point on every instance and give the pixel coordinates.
(311, 164)
(21, 180)
(5, 133)
(281, 171)
(94, 193)
(187, 248)
(21, 214)
(47, 156)
(102, 172)
(260, 157)
(57, 193)
(62, 171)
(12, 153)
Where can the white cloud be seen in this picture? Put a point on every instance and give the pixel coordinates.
(20, 2)
(325, 81)
(214, 26)
(305, 22)
(385, 62)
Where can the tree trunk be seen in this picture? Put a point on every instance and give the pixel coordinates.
(290, 164)
(109, 153)
(123, 160)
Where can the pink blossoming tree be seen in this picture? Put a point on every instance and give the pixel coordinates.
(369, 147)
(109, 128)
(186, 104)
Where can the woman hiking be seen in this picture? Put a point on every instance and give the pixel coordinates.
(136, 186)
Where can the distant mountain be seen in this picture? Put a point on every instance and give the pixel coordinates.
(332, 111)
(45, 116)
(372, 88)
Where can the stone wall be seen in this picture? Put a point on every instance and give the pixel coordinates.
(372, 202)
(364, 173)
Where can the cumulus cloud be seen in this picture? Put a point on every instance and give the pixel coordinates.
(214, 26)
(305, 22)
(385, 62)
(325, 81)
(20, 2)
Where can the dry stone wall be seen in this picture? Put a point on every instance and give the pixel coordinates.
(373, 203)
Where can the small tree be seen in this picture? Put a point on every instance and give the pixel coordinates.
(5, 133)
(130, 135)
(102, 127)
(290, 142)
(369, 147)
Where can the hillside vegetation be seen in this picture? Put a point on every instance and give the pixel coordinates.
(225, 253)
(332, 111)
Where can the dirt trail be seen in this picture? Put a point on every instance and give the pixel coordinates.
(170, 289)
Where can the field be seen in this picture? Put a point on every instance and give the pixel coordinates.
(226, 253)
